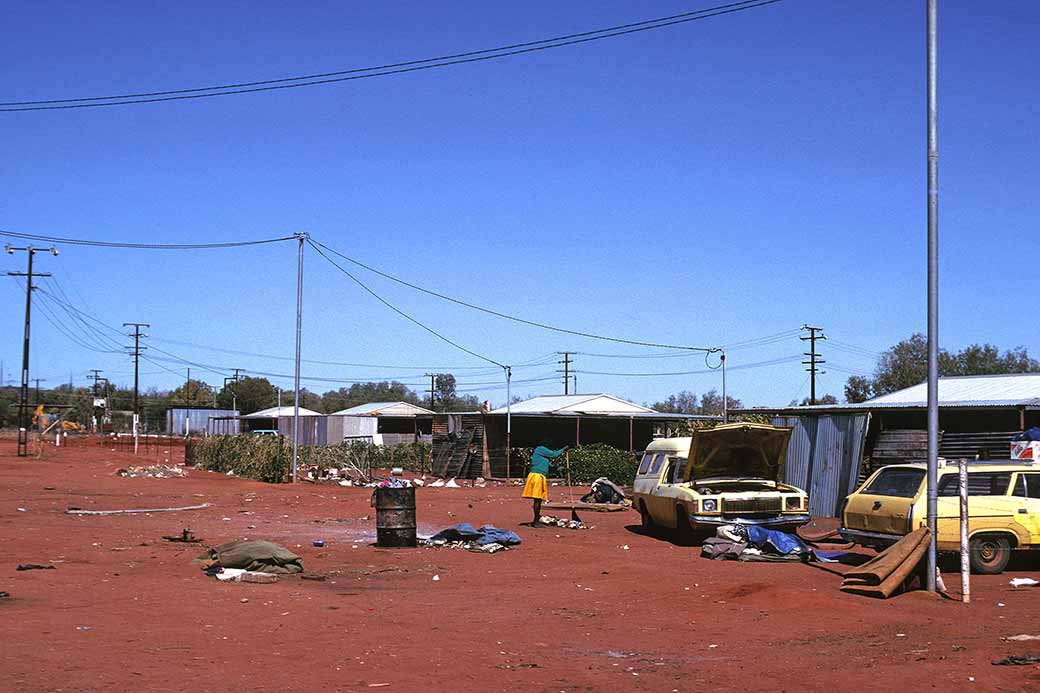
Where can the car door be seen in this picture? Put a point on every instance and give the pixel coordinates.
(990, 507)
(660, 507)
(884, 504)
(1026, 494)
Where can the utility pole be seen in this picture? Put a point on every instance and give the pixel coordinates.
(566, 363)
(23, 393)
(38, 381)
(136, 353)
(187, 390)
(433, 381)
(301, 238)
(814, 359)
(234, 390)
(95, 375)
(931, 51)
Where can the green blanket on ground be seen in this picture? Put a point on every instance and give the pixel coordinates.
(261, 556)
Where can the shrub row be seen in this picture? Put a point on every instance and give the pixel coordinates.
(589, 462)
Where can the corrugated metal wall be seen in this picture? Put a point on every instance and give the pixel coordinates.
(198, 419)
(823, 457)
(313, 429)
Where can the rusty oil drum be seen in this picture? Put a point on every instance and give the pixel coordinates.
(395, 517)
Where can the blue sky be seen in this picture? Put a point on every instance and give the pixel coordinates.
(705, 184)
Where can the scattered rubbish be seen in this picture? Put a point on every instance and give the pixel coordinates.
(227, 574)
(552, 520)
(605, 491)
(436, 578)
(185, 537)
(1021, 637)
(4, 595)
(418, 482)
(625, 547)
(77, 511)
(397, 471)
(34, 566)
(1024, 582)
(83, 627)
(156, 471)
(253, 555)
(1001, 604)
(464, 536)
(317, 577)
(1018, 660)
(241, 575)
(319, 543)
(450, 483)
(23, 510)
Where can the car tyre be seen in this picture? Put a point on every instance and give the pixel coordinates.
(646, 521)
(989, 554)
(682, 524)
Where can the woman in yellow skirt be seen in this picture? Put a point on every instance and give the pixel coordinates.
(536, 488)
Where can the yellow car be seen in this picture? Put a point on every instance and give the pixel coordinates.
(1003, 509)
(724, 475)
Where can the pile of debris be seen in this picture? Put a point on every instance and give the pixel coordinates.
(487, 539)
(156, 471)
(573, 523)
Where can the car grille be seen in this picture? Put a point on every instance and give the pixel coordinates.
(746, 506)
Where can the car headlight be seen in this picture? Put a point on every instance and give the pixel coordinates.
(793, 503)
(710, 505)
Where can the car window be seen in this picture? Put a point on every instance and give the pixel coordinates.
(1028, 486)
(979, 484)
(679, 469)
(901, 483)
(645, 464)
(658, 461)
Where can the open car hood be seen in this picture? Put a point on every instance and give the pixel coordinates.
(738, 450)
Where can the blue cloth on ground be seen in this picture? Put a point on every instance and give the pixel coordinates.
(776, 541)
(487, 534)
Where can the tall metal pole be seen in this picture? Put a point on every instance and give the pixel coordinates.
(933, 285)
(725, 403)
(509, 417)
(23, 393)
(301, 237)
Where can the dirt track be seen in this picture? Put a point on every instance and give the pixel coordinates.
(567, 610)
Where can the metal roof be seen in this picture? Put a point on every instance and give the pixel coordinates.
(576, 404)
(1016, 389)
(401, 409)
(275, 412)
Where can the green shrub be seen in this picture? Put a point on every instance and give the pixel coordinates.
(269, 458)
(588, 463)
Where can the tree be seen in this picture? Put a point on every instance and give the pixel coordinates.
(193, 393)
(249, 394)
(444, 388)
(858, 389)
(362, 393)
(906, 364)
(826, 399)
(683, 403)
(711, 403)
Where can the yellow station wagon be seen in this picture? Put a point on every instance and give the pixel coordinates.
(1003, 509)
(718, 476)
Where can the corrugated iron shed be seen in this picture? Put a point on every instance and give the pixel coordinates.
(399, 409)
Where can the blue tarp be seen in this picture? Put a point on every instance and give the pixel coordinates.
(1030, 434)
(487, 534)
(775, 541)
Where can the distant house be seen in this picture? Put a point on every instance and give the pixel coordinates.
(185, 421)
(382, 423)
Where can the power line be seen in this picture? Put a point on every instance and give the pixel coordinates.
(397, 310)
(140, 246)
(505, 316)
(759, 364)
(383, 70)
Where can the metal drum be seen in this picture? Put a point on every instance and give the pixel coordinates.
(395, 517)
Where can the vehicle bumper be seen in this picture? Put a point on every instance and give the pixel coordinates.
(865, 538)
(718, 521)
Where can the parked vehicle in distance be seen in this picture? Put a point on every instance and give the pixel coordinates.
(1003, 509)
(264, 432)
(719, 476)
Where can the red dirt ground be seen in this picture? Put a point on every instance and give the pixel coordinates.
(565, 611)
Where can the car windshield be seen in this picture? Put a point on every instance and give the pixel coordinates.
(902, 483)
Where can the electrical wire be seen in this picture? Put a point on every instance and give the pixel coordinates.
(140, 246)
(759, 364)
(383, 70)
(316, 244)
(398, 310)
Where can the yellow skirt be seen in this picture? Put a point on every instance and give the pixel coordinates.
(536, 487)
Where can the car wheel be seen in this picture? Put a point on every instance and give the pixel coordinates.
(989, 555)
(644, 517)
(682, 524)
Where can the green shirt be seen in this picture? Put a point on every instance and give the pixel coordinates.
(540, 459)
